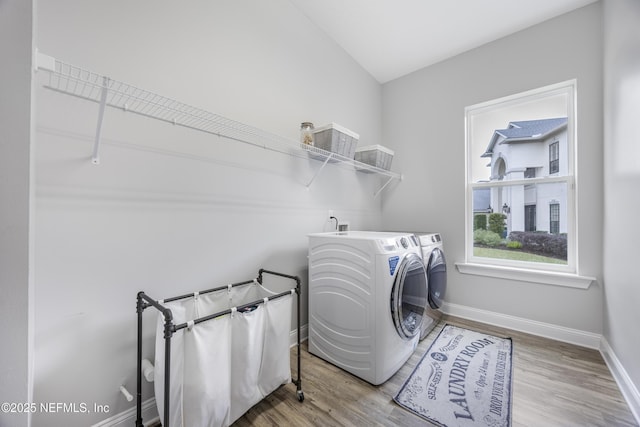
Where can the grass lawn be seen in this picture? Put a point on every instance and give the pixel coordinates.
(515, 255)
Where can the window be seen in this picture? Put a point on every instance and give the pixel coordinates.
(554, 218)
(530, 218)
(531, 224)
(530, 173)
(554, 158)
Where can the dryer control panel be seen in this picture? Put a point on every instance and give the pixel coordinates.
(429, 239)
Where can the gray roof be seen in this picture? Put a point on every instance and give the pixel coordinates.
(527, 130)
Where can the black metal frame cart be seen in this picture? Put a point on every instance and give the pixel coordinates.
(144, 302)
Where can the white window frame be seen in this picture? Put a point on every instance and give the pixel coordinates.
(564, 275)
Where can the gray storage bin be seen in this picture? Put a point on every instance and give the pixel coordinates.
(375, 155)
(336, 139)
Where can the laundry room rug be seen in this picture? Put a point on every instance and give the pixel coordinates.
(464, 379)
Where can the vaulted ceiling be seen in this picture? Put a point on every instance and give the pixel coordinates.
(392, 38)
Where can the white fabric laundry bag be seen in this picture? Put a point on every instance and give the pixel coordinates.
(200, 365)
(206, 390)
(212, 303)
(246, 348)
(245, 294)
(275, 368)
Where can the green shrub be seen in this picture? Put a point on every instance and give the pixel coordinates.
(496, 223)
(480, 222)
(486, 237)
(514, 245)
(554, 245)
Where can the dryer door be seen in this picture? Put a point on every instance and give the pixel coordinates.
(437, 277)
(409, 296)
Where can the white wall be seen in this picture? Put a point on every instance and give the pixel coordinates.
(423, 121)
(169, 210)
(16, 300)
(622, 186)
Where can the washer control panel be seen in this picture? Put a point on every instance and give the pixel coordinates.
(398, 243)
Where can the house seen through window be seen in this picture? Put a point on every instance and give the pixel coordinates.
(520, 182)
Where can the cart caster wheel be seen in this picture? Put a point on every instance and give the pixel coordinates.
(300, 395)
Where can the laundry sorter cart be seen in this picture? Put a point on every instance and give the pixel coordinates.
(219, 351)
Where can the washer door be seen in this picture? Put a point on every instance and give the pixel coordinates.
(409, 296)
(437, 277)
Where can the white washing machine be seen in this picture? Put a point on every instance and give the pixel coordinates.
(367, 299)
(436, 265)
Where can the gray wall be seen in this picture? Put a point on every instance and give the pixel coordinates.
(622, 184)
(170, 210)
(423, 120)
(16, 300)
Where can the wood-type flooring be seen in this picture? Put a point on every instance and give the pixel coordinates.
(554, 384)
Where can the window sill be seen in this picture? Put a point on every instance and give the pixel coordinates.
(524, 275)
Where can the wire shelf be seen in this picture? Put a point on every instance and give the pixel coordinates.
(81, 83)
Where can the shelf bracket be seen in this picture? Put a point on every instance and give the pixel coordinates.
(95, 159)
(383, 187)
(320, 170)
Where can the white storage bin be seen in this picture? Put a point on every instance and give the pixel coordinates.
(375, 155)
(336, 139)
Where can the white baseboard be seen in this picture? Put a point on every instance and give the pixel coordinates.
(128, 417)
(627, 387)
(547, 330)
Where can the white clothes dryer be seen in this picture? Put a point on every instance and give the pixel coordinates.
(367, 294)
(436, 265)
